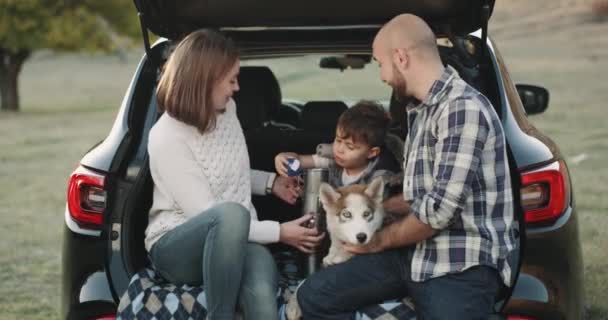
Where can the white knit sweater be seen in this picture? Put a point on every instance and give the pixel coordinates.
(193, 172)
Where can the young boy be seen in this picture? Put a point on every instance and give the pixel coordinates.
(359, 150)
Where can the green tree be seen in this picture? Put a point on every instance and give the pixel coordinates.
(68, 25)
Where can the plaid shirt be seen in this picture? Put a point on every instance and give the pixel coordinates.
(457, 178)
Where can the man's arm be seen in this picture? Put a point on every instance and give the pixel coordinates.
(396, 205)
(462, 134)
(406, 232)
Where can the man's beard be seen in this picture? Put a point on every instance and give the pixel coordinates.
(399, 87)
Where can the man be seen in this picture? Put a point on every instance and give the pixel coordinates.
(449, 252)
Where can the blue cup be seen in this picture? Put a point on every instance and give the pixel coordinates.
(294, 167)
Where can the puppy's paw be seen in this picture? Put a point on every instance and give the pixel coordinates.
(334, 259)
(328, 261)
(339, 259)
(293, 311)
(341, 256)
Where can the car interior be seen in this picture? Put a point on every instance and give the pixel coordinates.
(271, 124)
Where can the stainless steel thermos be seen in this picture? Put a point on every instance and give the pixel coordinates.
(312, 204)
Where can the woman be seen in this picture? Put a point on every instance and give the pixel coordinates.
(203, 228)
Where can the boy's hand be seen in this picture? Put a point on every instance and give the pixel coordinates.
(280, 162)
(287, 189)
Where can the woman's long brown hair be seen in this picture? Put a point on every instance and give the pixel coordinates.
(190, 74)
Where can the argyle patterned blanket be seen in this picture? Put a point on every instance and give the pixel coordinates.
(150, 297)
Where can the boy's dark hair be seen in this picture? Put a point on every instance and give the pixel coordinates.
(366, 122)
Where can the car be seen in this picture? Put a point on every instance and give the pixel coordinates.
(303, 63)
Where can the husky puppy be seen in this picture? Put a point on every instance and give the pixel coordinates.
(353, 214)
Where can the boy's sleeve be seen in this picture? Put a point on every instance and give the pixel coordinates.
(321, 162)
(324, 157)
(325, 150)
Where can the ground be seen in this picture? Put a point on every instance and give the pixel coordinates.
(70, 101)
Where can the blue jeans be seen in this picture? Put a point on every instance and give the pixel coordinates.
(212, 249)
(337, 291)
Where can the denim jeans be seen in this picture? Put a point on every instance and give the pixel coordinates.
(212, 249)
(337, 291)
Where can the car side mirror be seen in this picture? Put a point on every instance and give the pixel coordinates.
(535, 99)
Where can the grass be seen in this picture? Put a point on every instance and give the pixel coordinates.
(69, 103)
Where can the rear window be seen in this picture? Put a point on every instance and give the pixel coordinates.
(302, 79)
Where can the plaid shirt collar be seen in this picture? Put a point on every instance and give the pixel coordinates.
(437, 92)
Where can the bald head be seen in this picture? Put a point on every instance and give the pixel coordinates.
(406, 31)
(407, 53)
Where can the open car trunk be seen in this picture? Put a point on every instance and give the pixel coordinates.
(287, 27)
(262, 143)
(174, 18)
(273, 23)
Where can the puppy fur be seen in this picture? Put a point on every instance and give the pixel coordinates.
(353, 214)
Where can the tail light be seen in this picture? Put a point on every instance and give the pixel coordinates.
(86, 198)
(545, 193)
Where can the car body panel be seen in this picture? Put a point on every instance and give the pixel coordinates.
(84, 280)
(529, 146)
(550, 251)
(100, 158)
(553, 256)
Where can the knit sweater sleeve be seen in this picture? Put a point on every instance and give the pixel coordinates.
(176, 173)
(260, 180)
(266, 231)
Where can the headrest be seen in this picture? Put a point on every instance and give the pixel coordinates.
(258, 98)
(322, 115)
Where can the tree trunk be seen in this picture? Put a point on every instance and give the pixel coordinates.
(10, 67)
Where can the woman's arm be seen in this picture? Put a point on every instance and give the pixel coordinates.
(285, 188)
(261, 182)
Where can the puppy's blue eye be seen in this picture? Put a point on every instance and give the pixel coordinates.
(367, 214)
(347, 214)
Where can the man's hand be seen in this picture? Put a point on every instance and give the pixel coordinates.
(287, 189)
(373, 246)
(402, 233)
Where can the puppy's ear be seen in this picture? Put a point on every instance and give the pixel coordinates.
(375, 190)
(329, 196)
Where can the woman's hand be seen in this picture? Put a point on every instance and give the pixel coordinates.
(302, 238)
(287, 189)
(280, 162)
